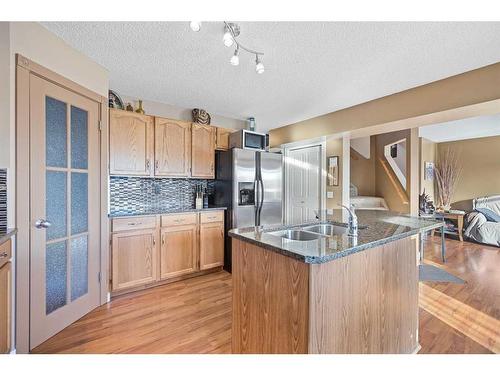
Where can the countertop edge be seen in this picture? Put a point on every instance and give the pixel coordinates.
(5, 236)
(341, 254)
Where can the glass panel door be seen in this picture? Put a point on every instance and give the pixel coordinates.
(65, 242)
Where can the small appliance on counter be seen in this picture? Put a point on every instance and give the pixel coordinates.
(249, 184)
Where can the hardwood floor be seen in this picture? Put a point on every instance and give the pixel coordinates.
(194, 315)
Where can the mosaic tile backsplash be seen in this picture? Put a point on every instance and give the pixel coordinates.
(149, 195)
(3, 200)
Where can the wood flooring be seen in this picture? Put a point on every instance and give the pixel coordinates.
(194, 315)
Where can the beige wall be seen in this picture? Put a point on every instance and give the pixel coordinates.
(428, 153)
(480, 159)
(363, 171)
(4, 95)
(182, 113)
(450, 98)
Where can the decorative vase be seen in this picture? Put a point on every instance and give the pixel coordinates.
(140, 109)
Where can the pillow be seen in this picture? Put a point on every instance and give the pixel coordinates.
(489, 214)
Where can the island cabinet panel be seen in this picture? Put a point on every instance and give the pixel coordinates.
(134, 257)
(366, 302)
(131, 138)
(178, 251)
(203, 151)
(172, 148)
(5, 307)
(270, 301)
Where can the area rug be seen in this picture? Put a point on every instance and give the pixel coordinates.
(432, 273)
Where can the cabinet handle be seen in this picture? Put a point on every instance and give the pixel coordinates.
(157, 165)
(3, 255)
(148, 165)
(134, 223)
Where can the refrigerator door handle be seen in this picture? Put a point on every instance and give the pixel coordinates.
(261, 197)
(256, 201)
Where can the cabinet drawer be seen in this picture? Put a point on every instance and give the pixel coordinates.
(179, 219)
(5, 252)
(212, 216)
(128, 223)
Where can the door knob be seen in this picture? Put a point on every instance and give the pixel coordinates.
(42, 223)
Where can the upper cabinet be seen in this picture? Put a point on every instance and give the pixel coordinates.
(141, 145)
(222, 139)
(203, 151)
(172, 148)
(131, 138)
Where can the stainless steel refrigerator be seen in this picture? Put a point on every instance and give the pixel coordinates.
(249, 184)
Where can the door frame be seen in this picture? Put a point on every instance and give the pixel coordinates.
(286, 148)
(24, 68)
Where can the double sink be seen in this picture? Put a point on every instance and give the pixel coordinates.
(310, 233)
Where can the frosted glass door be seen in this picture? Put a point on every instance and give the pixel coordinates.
(65, 191)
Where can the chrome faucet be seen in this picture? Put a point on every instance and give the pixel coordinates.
(353, 220)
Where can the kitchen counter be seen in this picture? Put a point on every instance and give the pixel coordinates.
(5, 235)
(161, 212)
(377, 228)
(336, 294)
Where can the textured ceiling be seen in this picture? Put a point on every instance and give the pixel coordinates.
(312, 68)
(474, 127)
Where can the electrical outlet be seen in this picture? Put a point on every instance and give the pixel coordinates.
(329, 194)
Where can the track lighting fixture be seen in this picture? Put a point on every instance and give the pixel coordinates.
(235, 60)
(231, 33)
(195, 25)
(259, 67)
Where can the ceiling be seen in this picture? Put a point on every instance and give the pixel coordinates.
(311, 68)
(473, 127)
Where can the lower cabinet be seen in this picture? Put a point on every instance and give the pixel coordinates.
(211, 245)
(150, 249)
(178, 251)
(5, 307)
(135, 258)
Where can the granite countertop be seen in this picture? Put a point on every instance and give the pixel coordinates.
(380, 227)
(5, 235)
(161, 211)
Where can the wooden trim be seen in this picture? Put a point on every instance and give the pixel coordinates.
(22, 210)
(25, 67)
(58, 79)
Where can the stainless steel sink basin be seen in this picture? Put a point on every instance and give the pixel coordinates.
(327, 229)
(297, 235)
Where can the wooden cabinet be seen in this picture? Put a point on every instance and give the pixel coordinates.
(203, 151)
(211, 240)
(178, 250)
(135, 258)
(172, 148)
(5, 297)
(222, 138)
(131, 138)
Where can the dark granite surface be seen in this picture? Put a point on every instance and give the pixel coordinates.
(381, 227)
(161, 212)
(5, 235)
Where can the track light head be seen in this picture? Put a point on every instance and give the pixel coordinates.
(259, 67)
(235, 60)
(195, 25)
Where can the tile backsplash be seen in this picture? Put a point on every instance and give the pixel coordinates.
(136, 194)
(3, 200)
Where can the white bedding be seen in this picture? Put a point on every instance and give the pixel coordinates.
(369, 203)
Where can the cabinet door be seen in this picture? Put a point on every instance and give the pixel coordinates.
(211, 245)
(131, 138)
(5, 307)
(172, 147)
(134, 258)
(222, 139)
(203, 151)
(178, 251)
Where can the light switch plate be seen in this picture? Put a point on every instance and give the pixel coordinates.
(329, 194)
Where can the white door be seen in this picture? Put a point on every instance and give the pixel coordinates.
(64, 208)
(303, 184)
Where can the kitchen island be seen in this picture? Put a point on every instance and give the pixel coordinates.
(313, 288)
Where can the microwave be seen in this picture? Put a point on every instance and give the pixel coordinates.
(248, 140)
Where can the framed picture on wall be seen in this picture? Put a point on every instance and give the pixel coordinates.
(333, 171)
(429, 171)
